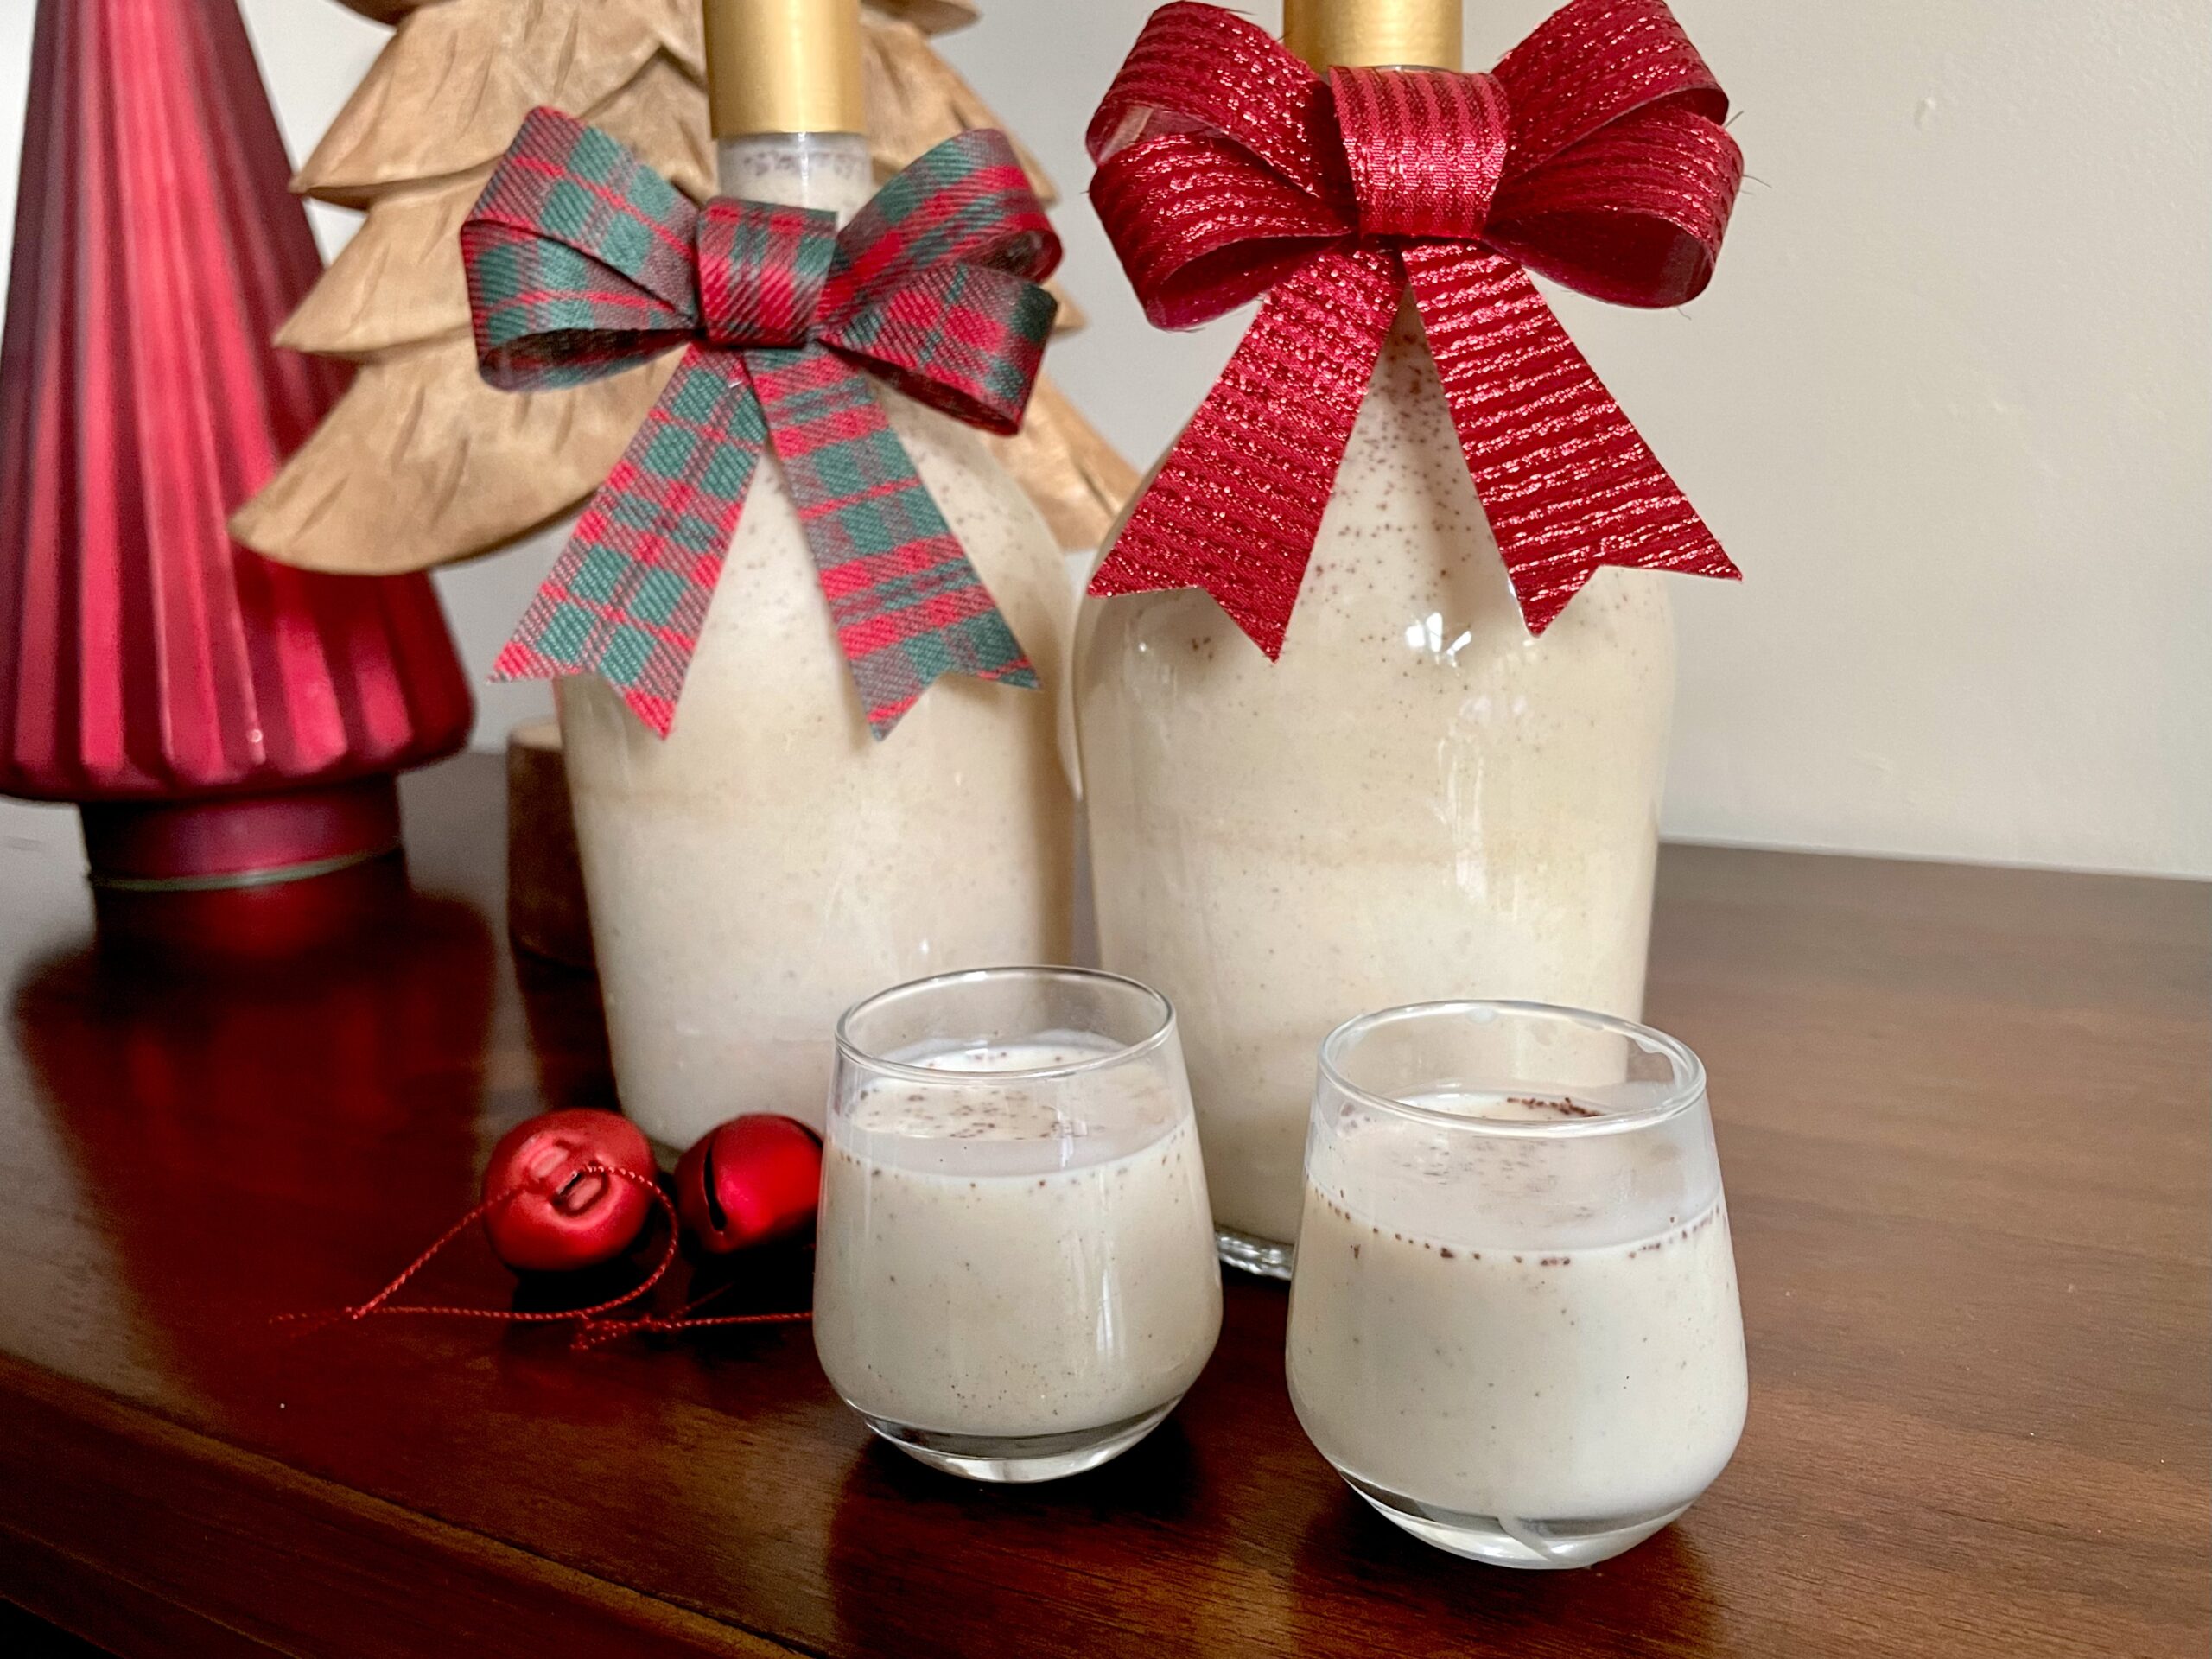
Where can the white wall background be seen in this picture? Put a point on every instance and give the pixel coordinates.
(1949, 403)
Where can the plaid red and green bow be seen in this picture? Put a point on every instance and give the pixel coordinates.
(583, 262)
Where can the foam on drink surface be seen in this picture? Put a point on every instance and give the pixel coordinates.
(991, 1114)
(1464, 1188)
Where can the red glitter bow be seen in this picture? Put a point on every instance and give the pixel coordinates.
(1227, 170)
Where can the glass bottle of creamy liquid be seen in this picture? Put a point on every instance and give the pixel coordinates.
(769, 863)
(1418, 800)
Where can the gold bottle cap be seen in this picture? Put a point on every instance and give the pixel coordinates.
(784, 66)
(1405, 33)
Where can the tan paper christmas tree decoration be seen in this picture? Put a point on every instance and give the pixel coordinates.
(422, 463)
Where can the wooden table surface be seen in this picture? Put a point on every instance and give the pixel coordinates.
(1962, 1114)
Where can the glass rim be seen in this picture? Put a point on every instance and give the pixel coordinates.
(1686, 1091)
(850, 1051)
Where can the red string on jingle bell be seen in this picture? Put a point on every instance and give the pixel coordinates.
(570, 1190)
(597, 1333)
(381, 1303)
(562, 1217)
(749, 1182)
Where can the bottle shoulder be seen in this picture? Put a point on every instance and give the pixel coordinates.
(1403, 566)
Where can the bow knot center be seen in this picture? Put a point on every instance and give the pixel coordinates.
(1426, 147)
(761, 271)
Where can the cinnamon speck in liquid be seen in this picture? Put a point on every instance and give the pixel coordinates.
(1418, 800)
(1052, 1248)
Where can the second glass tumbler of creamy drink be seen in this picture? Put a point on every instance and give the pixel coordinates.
(1014, 1276)
(1514, 1326)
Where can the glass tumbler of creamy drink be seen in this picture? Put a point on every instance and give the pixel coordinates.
(1513, 1325)
(1014, 1272)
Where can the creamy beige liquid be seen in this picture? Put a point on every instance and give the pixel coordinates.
(1470, 1333)
(1418, 801)
(988, 1265)
(770, 863)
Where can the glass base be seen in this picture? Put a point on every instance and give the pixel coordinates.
(1509, 1542)
(1016, 1459)
(1259, 1256)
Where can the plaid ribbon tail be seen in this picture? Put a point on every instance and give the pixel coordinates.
(907, 603)
(628, 595)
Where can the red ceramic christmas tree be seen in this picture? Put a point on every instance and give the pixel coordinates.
(218, 717)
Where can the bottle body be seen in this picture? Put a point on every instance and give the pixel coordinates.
(769, 863)
(1417, 801)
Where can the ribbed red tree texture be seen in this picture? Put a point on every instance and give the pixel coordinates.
(143, 655)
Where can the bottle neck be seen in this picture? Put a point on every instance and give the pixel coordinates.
(827, 171)
(784, 66)
(1403, 34)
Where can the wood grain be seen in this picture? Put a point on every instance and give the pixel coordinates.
(1963, 1120)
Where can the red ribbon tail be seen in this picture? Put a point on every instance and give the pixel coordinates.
(1567, 482)
(1236, 504)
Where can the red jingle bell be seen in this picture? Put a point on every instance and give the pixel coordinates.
(750, 1181)
(565, 1213)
